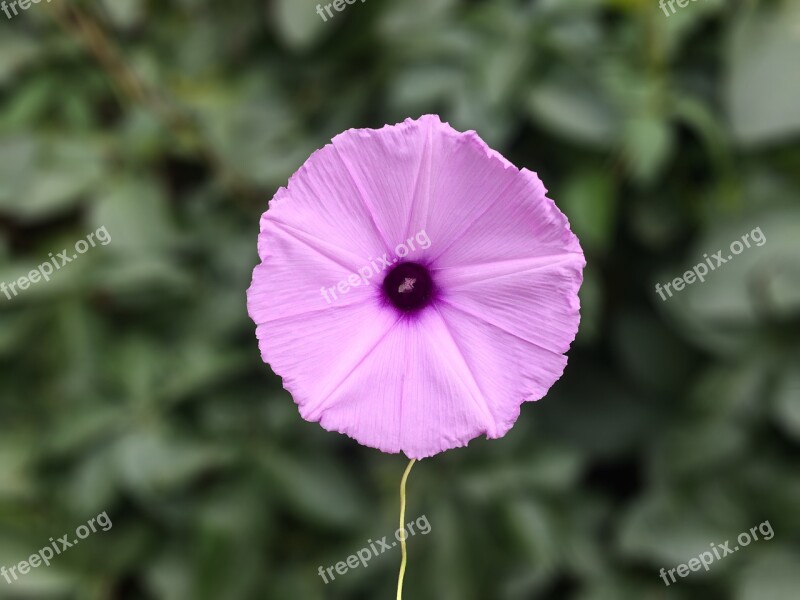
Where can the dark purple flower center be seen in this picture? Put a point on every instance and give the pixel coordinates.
(408, 286)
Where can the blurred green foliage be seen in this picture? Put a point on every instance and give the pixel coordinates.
(132, 383)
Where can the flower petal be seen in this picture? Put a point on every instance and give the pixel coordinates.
(316, 352)
(324, 202)
(300, 275)
(509, 369)
(415, 392)
(516, 222)
(391, 169)
(534, 299)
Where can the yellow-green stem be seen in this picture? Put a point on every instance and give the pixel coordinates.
(402, 528)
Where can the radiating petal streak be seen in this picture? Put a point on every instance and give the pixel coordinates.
(495, 325)
(427, 152)
(315, 413)
(364, 200)
(308, 313)
(306, 239)
(512, 267)
(491, 426)
(465, 229)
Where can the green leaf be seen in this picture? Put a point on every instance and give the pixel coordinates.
(298, 23)
(664, 532)
(151, 463)
(647, 144)
(125, 14)
(758, 284)
(319, 491)
(787, 400)
(16, 51)
(589, 199)
(571, 109)
(41, 177)
(15, 476)
(770, 575)
(763, 87)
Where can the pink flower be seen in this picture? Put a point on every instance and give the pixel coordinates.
(443, 340)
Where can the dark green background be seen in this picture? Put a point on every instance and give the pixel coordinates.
(132, 382)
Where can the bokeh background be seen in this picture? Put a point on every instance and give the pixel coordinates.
(132, 382)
